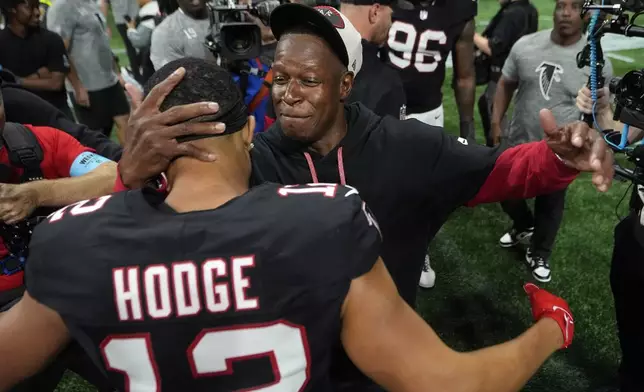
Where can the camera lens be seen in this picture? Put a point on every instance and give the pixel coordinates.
(239, 44)
(241, 40)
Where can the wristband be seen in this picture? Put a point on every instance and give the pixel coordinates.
(119, 186)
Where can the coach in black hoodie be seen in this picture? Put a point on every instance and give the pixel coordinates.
(411, 175)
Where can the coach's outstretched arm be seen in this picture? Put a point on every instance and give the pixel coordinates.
(396, 348)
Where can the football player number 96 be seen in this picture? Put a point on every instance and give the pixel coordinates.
(414, 45)
(213, 352)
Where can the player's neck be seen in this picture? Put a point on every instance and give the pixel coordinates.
(333, 137)
(564, 40)
(357, 18)
(199, 186)
(17, 28)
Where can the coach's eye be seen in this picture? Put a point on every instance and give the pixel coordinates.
(310, 82)
(279, 80)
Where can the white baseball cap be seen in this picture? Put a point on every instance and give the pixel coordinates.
(328, 23)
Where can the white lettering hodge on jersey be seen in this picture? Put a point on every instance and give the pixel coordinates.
(182, 289)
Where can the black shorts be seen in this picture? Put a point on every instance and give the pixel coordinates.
(104, 105)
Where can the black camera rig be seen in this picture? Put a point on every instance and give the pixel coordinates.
(628, 90)
(16, 240)
(234, 36)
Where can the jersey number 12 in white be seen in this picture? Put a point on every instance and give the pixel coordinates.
(213, 352)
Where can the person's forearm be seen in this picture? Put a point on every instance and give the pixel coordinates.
(482, 43)
(502, 98)
(605, 121)
(64, 191)
(51, 83)
(465, 91)
(105, 8)
(73, 76)
(508, 367)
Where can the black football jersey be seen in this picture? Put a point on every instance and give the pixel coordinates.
(420, 39)
(247, 296)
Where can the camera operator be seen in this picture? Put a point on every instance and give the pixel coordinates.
(139, 32)
(627, 266)
(182, 34)
(515, 19)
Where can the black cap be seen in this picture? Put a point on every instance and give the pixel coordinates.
(328, 23)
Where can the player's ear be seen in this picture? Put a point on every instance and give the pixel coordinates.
(249, 131)
(374, 10)
(346, 83)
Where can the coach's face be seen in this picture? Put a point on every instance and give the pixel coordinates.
(309, 86)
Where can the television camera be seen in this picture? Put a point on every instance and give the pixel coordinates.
(16, 240)
(628, 90)
(234, 37)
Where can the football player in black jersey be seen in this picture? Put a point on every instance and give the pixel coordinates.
(421, 37)
(220, 287)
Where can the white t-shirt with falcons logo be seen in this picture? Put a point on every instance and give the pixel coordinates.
(548, 77)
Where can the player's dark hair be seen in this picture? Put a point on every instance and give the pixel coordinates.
(204, 81)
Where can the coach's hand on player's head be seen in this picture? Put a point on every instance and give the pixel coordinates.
(17, 202)
(581, 148)
(150, 137)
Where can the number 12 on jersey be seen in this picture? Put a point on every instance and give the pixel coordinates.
(416, 45)
(213, 352)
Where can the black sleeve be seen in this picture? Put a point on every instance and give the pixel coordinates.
(23, 107)
(364, 237)
(442, 170)
(506, 33)
(57, 60)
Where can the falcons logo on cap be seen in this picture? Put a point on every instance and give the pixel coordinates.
(548, 73)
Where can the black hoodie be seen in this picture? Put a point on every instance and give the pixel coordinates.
(411, 175)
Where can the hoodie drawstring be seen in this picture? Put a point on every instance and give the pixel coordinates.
(314, 175)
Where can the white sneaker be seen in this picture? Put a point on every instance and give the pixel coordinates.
(428, 276)
(514, 237)
(539, 266)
